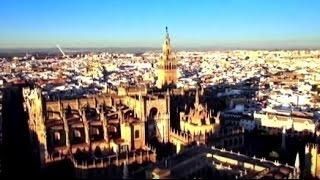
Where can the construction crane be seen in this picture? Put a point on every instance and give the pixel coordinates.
(63, 54)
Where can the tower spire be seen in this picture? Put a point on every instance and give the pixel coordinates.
(283, 143)
(297, 166)
(297, 161)
(196, 103)
(167, 41)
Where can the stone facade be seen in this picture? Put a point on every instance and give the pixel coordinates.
(289, 121)
(106, 123)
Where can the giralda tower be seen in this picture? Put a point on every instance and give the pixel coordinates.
(167, 67)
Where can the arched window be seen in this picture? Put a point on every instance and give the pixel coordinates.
(68, 111)
(57, 136)
(77, 133)
(97, 152)
(95, 131)
(136, 134)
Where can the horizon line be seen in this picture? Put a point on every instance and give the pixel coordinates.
(159, 48)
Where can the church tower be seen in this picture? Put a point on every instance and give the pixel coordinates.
(167, 67)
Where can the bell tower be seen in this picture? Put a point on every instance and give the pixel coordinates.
(167, 66)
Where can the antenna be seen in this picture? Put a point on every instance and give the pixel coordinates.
(64, 55)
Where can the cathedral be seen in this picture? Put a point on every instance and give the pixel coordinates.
(115, 127)
(167, 66)
(106, 124)
(119, 127)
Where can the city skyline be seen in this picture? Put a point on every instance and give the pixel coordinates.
(163, 112)
(209, 24)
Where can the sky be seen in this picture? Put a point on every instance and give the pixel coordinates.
(141, 23)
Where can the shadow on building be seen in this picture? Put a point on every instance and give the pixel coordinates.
(18, 152)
